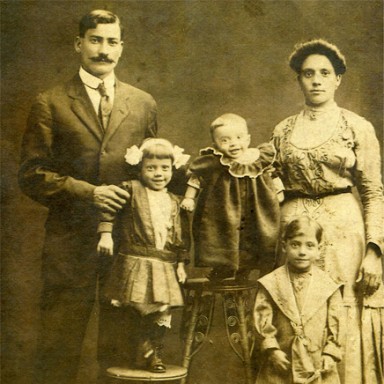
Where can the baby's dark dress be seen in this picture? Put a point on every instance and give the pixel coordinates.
(236, 222)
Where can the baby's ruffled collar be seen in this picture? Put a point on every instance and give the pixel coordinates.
(247, 165)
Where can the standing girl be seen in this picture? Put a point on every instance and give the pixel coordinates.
(152, 248)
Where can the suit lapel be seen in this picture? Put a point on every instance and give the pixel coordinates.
(119, 112)
(83, 108)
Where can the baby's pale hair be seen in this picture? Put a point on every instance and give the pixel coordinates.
(228, 119)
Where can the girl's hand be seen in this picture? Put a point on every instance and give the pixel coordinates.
(327, 363)
(279, 360)
(188, 204)
(371, 271)
(105, 245)
(181, 274)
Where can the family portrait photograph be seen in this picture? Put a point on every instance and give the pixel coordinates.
(192, 191)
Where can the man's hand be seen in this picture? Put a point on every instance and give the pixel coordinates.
(105, 245)
(371, 272)
(279, 360)
(181, 274)
(109, 198)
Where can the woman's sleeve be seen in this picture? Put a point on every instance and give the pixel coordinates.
(335, 326)
(275, 141)
(369, 183)
(263, 318)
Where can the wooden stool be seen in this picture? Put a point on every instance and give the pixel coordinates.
(197, 319)
(120, 373)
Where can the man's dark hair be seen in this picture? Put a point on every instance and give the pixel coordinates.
(98, 16)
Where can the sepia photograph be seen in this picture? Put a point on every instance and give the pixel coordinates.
(192, 191)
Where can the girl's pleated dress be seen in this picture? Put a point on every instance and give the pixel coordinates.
(150, 241)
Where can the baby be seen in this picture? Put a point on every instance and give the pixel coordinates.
(236, 221)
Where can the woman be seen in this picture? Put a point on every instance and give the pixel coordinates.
(323, 152)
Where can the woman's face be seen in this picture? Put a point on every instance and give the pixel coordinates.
(318, 80)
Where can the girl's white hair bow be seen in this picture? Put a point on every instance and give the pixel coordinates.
(134, 154)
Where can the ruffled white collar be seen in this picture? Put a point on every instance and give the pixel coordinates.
(249, 164)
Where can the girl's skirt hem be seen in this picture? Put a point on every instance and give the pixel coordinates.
(141, 280)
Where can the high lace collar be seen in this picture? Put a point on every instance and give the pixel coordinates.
(251, 164)
(318, 113)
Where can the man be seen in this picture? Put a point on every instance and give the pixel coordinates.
(72, 155)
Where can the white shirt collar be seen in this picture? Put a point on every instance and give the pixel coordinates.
(93, 81)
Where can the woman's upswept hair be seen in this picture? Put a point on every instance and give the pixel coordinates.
(317, 47)
(297, 227)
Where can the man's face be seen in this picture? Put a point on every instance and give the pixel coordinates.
(100, 49)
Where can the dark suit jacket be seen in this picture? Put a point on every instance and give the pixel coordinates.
(65, 154)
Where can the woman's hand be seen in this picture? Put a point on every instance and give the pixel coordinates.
(105, 245)
(279, 360)
(327, 363)
(371, 271)
(181, 274)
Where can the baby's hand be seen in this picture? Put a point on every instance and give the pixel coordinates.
(181, 274)
(188, 204)
(279, 360)
(105, 245)
(328, 363)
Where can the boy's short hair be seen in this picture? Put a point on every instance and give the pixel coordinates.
(98, 16)
(317, 47)
(227, 119)
(296, 226)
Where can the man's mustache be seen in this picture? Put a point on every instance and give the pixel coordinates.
(102, 59)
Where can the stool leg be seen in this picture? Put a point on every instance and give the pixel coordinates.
(241, 309)
(190, 334)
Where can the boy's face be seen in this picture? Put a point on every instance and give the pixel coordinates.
(302, 250)
(156, 173)
(232, 140)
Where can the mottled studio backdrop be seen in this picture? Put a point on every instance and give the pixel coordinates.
(198, 59)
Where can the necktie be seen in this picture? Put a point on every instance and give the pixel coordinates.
(105, 107)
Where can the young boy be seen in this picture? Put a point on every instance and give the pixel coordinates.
(297, 314)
